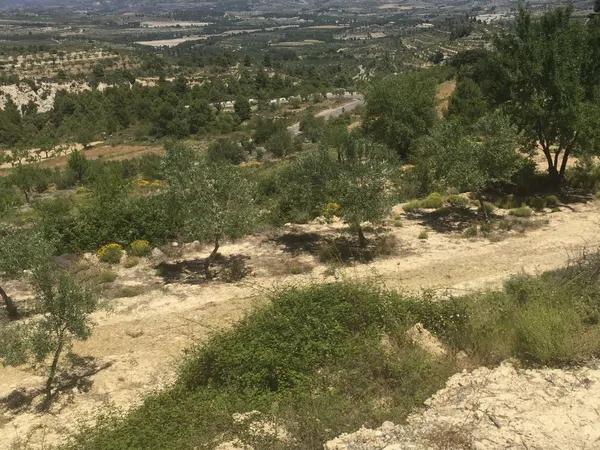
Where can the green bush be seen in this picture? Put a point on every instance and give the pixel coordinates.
(411, 206)
(523, 211)
(546, 334)
(470, 231)
(110, 253)
(317, 359)
(131, 261)
(140, 248)
(107, 276)
(458, 201)
(552, 201)
(434, 200)
(423, 235)
(537, 203)
(489, 207)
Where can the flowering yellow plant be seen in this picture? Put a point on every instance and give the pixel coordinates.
(110, 253)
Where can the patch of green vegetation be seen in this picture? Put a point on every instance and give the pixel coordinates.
(457, 201)
(432, 201)
(308, 361)
(523, 211)
(423, 235)
(106, 276)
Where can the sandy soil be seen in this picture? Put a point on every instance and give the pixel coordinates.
(144, 336)
(443, 94)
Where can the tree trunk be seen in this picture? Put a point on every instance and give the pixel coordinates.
(53, 368)
(11, 308)
(563, 166)
(482, 207)
(362, 241)
(210, 259)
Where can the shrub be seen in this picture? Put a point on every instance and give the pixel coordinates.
(411, 206)
(508, 202)
(545, 333)
(131, 261)
(523, 211)
(432, 201)
(330, 210)
(106, 276)
(486, 228)
(458, 201)
(140, 247)
(488, 207)
(470, 232)
(552, 201)
(537, 203)
(423, 235)
(110, 253)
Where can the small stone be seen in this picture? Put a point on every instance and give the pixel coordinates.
(134, 333)
(157, 254)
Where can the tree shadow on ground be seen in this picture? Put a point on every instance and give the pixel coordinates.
(449, 219)
(342, 249)
(223, 268)
(296, 243)
(76, 377)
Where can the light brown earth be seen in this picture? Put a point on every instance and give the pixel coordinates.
(442, 96)
(144, 336)
(497, 409)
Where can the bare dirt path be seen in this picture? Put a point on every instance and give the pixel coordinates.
(144, 336)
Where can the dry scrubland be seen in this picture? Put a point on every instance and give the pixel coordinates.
(416, 266)
(151, 322)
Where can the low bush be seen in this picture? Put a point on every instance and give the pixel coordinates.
(107, 276)
(458, 201)
(411, 206)
(140, 248)
(110, 253)
(434, 200)
(131, 261)
(470, 231)
(423, 235)
(537, 203)
(552, 201)
(320, 360)
(523, 211)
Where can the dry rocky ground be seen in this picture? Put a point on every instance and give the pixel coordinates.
(501, 408)
(151, 322)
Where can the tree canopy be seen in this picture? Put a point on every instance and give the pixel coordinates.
(400, 109)
(552, 84)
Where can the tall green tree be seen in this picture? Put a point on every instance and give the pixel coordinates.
(467, 103)
(363, 192)
(214, 201)
(21, 250)
(242, 108)
(549, 81)
(400, 109)
(64, 307)
(469, 160)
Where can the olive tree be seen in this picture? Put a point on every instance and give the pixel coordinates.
(214, 201)
(363, 192)
(474, 161)
(400, 109)
(63, 308)
(552, 70)
(21, 250)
